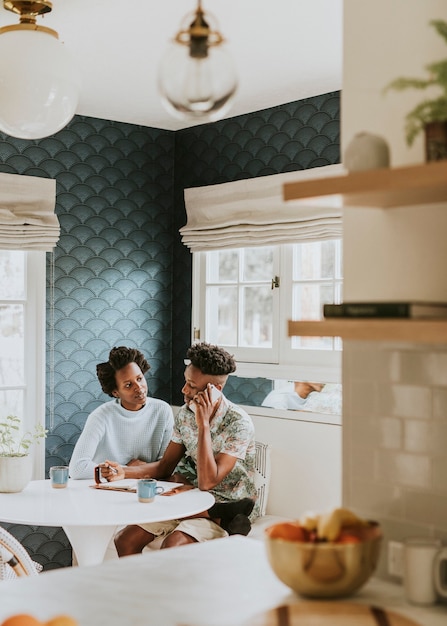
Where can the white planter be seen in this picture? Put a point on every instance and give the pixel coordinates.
(15, 473)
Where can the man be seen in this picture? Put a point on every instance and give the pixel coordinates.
(292, 399)
(129, 427)
(213, 445)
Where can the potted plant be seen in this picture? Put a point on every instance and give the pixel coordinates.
(16, 465)
(430, 115)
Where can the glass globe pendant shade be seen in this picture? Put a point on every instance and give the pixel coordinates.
(196, 88)
(39, 83)
(197, 77)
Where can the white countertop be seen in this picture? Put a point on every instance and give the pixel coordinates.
(218, 583)
(391, 596)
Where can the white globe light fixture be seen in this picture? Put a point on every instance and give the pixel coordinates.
(39, 84)
(197, 78)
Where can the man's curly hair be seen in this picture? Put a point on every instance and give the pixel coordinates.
(211, 360)
(118, 358)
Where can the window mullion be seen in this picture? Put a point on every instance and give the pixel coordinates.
(35, 350)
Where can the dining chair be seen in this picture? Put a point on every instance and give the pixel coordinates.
(263, 471)
(14, 559)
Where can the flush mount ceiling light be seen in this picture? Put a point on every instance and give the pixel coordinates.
(39, 84)
(197, 79)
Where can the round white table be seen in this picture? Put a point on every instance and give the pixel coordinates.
(90, 517)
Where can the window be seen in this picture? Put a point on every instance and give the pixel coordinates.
(243, 298)
(22, 340)
(240, 301)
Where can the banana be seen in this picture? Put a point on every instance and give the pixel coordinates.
(309, 521)
(330, 524)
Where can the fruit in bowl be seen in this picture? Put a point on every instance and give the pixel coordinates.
(324, 556)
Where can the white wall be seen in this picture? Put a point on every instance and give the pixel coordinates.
(400, 253)
(306, 465)
(383, 40)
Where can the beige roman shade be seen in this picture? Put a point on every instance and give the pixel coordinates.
(27, 218)
(252, 213)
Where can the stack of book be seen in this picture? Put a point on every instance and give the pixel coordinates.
(411, 310)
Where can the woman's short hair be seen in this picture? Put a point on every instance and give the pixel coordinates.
(118, 358)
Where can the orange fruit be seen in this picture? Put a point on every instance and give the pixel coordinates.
(62, 620)
(348, 537)
(21, 619)
(289, 531)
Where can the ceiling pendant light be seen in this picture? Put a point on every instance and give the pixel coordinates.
(197, 79)
(39, 84)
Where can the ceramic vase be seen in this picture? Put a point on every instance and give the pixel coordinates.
(366, 152)
(15, 473)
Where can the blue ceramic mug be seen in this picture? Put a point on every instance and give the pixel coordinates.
(59, 476)
(147, 489)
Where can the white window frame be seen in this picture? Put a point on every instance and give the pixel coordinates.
(34, 346)
(317, 365)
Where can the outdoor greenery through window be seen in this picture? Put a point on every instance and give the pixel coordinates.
(22, 336)
(244, 297)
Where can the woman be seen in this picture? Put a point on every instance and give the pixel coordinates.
(130, 428)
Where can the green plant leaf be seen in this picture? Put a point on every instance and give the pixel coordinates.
(441, 28)
(13, 445)
(424, 113)
(438, 71)
(399, 84)
(434, 110)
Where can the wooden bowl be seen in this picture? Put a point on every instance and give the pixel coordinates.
(323, 569)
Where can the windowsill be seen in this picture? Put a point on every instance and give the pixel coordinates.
(297, 416)
(288, 372)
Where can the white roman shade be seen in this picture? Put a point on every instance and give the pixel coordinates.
(252, 213)
(27, 218)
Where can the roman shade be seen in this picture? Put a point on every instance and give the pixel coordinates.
(27, 218)
(252, 213)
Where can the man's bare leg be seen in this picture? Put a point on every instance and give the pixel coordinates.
(132, 540)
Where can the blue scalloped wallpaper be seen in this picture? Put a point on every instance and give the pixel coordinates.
(119, 274)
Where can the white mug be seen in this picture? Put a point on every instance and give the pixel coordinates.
(425, 563)
(441, 572)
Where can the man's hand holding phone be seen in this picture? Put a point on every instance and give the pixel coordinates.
(213, 394)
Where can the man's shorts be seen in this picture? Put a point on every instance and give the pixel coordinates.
(200, 528)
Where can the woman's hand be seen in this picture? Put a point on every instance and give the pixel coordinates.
(110, 470)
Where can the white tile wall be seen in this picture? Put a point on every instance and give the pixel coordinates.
(395, 437)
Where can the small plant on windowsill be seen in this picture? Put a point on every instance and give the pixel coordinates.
(14, 444)
(429, 116)
(16, 462)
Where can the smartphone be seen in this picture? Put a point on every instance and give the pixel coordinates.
(215, 395)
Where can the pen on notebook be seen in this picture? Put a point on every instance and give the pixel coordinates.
(113, 469)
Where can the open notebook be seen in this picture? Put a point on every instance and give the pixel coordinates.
(130, 485)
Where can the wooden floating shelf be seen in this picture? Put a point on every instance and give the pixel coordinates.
(420, 331)
(379, 188)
